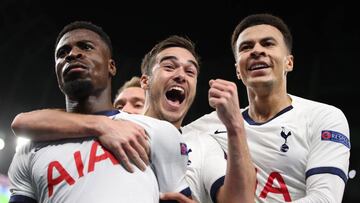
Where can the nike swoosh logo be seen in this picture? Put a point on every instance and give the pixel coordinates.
(219, 131)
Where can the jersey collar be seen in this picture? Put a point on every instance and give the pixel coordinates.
(250, 121)
(111, 112)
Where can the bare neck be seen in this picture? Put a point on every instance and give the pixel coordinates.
(263, 107)
(91, 104)
(149, 111)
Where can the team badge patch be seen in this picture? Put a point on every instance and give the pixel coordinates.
(285, 133)
(333, 136)
(183, 149)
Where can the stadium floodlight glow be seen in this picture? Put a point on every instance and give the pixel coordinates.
(20, 141)
(2, 144)
(2, 140)
(352, 174)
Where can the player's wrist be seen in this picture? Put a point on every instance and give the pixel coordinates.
(235, 127)
(96, 125)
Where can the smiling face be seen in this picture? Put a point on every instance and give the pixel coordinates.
(83, 64)
(263, 59)
(171, 87)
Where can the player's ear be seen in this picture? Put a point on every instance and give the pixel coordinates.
(144, 80)
(112, 67)
(289, 63)
(237, 71)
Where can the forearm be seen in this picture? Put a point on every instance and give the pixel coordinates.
(50, 124)
(240, 179)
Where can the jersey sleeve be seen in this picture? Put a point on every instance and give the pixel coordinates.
(207, 168)
(323, 188)
(328, 161)
(214, 166)
(169, 158)
(20, 177)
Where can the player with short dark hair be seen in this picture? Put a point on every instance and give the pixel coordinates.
(80, 169)
(300, 147)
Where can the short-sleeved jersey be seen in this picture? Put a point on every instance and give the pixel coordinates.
(207, 162)
(303, 150)
(81, 170)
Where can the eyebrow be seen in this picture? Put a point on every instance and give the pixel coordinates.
(65, 46)
(84, 41)
(135, 99)
(261, 40)
(268, 38)
(176, 59)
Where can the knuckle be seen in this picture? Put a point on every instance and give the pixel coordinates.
(114, 145)
(123, 157)
(124, 146)
(138, 135)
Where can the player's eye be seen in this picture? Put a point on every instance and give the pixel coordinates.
(85, 46)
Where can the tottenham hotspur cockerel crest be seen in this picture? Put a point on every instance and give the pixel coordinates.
(284, 134)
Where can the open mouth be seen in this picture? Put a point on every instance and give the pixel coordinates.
(258, 66)
(175, 95)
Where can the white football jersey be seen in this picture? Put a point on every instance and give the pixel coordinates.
(81, 170)
(207, 162)
(301, 154)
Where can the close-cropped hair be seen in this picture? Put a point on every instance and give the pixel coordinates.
(262, 19)
(88, 26)
(172, 41)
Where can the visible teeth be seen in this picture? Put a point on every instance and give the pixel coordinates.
(175, 94)
(256, 66)
(177, 88)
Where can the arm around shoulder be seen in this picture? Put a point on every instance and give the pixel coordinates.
(55, 124)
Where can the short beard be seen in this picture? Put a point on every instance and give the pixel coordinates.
(78, 89)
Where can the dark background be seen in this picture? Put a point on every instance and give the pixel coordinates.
(326, 50)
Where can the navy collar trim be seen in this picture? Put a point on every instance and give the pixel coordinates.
(107, 112)
(252, 122)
